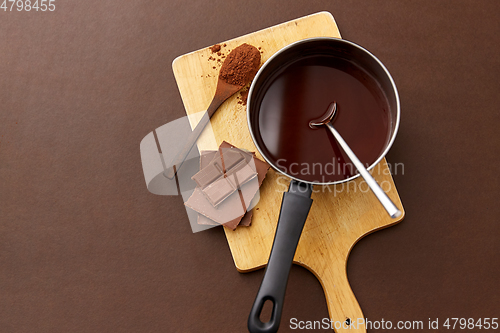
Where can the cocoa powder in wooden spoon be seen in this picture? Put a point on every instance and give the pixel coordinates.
(238, 69)
(241, 65)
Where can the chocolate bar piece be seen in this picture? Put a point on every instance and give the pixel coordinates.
(215, 169)
(260, 166)
(233, 205)
(205, 157)
(225, 174)
(229, 210)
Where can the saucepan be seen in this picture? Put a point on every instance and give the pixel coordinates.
(296, 85)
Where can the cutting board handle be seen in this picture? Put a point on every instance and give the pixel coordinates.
(295, 207)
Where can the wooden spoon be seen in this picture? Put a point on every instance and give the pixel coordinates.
(238, 69)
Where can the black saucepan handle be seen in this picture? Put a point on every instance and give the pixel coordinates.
(294, 210)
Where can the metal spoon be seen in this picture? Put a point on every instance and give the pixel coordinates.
(326, 120)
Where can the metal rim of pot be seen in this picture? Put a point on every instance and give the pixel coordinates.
(380, 65)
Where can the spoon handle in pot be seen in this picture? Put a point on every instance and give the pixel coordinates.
(389, 206)
(295, 207)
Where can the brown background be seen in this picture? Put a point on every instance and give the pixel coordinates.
(85, 248)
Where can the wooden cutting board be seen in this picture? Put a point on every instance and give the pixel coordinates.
(340, 215)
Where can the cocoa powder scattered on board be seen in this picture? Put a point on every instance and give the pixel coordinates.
(243, 97)
(215, 48)
(241, 65)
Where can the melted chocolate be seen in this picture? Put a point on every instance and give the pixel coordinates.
(302, 92)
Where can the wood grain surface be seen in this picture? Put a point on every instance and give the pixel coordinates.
(340, 215)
